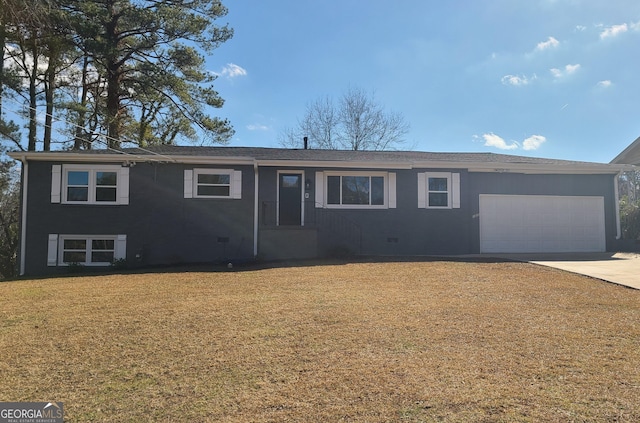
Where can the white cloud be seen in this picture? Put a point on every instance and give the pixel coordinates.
(517, 80)
(550, 43)
(571, 68)
(635, 26)
(233, 71)
(567, 70)
(257, 127)
(604, 84)
(493, 140)
(533, 142)
(581, 28)
(613, 31)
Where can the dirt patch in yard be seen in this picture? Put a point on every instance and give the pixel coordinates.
(424, 341)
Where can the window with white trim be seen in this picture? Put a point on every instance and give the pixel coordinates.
(90, 184)
(212, 183)
(439, 190)
(355, 189)
(86, 250)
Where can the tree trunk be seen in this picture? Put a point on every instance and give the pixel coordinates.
(49, 87)
(80, 141)
(114, 76)
(33, 81)
(113, 107)
(3, 38)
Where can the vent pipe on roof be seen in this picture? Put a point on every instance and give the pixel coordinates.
(306, 142)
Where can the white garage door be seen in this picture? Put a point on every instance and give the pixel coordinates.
(541, 224)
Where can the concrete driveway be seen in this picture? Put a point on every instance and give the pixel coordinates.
(619, 268)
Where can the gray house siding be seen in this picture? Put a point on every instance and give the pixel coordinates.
(162, 227)
(409, 230)
(406, 229)
(403, 230)
(174, 229)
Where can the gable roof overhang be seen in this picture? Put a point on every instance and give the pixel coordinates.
(630, 155)
(265, 157)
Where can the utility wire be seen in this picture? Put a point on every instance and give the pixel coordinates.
(90, 132)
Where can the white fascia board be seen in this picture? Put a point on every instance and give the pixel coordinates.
(77, 158)
(544, 169)
(126, 157)
(334, 164)
(508, 167)
(214, 160)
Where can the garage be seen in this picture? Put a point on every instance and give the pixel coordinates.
(541, 224)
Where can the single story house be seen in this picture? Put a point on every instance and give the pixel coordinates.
(177, 204)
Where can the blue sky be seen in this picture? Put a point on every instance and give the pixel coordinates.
(547, 78)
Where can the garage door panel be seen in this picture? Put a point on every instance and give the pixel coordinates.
(519, 223)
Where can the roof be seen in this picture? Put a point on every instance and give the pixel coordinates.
(262, 156)
(630, 155)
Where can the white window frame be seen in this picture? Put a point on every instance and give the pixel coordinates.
(453, 190)
(438, 175)
(386, 186)
(56, 248)
(191, 182)
(122, 183)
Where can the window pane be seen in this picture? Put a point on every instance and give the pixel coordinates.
(106, 178)
(377, 190)
(105, 194)
(78, 178)
(290, 181)
(74, 257)
(75, 244)
(438, 199)
(102, 244)
(216, 191)
(77, 194)
(333, 190)
(218, 179)
(355, 190)
(437, 184)
(102, 257)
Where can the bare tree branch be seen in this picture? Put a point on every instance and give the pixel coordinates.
(357, 123)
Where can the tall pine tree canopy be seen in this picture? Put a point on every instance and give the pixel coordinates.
(131, 69)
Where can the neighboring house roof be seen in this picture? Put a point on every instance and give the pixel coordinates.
(326, 158)
(630, 155)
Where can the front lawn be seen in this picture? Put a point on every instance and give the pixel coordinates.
(362, 342)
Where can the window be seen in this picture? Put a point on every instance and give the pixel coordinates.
(212, 183)
(87, 250)
(355, 189)
(86, 184)
(439, 190)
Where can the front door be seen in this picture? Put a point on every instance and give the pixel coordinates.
(290, 198)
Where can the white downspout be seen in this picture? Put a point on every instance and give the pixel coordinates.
(256, 210)
(23, 224)
(617, 201)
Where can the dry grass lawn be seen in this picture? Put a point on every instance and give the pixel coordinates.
(360, 342)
